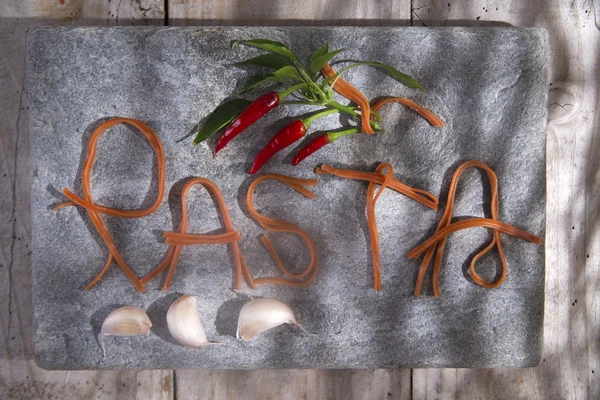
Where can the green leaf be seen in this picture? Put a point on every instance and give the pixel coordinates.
(325, 82)
(317, 62)
(220, 118)
(274, 61)
(287, 72)
(319, 52)
(259, 80)
(401, 77)
(272, 47)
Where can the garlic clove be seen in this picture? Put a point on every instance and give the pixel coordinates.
(184, 322)
(260, 315)
(125, 321)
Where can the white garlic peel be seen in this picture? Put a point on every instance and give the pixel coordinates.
(260, 315)
(184, 322)
(125, 321)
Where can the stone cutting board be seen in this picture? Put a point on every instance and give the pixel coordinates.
(489, 86)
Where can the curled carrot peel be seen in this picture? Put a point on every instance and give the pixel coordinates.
(351, 93)
(386, 180)
(422, 111)
(179, 239)
(95, 210)
(421, 196)
(276, 225)
(445, 228)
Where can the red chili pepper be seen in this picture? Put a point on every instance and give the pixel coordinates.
(321, 142)
(286, 137)
(280, 141)
(313, 146)
(250, 115)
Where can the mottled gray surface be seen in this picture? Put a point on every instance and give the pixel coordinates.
(489, 85)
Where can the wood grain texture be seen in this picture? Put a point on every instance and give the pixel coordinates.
(289, 12)
(569, 368)
(20, 378)
(293, 384)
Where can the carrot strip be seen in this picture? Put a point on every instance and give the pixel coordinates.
(350, 92)
(63, 205)
(436, 243)
(473, 223)
(386, 180)
(275, 225)
(422, 271)
(179, 239)
(87, 202)
(422, 111)
(188, 238)
(101, 274)
(159, 268)
(421, 196)
(271, 249)
(372, 223)
(95, 210)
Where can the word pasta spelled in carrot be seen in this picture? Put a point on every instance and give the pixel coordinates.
(445, 228)
(94, 211)
(276, 225)
(179, 239)
(386, 180)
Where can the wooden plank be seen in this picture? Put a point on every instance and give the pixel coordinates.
(20, 378)
(288, 12)
(571, 328)
(293, 384)
(85, 12)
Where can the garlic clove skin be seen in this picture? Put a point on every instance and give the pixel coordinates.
(260, 315)
(183, 320)
(126, 321)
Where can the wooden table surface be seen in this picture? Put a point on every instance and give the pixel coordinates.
(571, 363)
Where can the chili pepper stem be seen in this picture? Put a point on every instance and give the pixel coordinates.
(377, 116)
(308, 120)
(351, 111)
(300, 103)
(311, 83)
(287, 92)
(332, 103)
(333, 136)
(341, 107)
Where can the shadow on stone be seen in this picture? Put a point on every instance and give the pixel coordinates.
(159, 235)
(227, 315)
(193, 131)
(54, 192)
(158, 315)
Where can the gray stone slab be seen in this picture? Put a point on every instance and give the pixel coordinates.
(489, 85)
